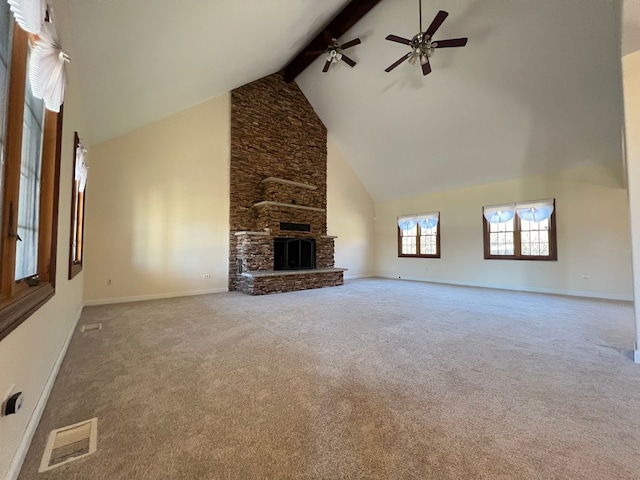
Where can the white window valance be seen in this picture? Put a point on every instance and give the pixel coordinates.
(81, 167)
(425, 220)
(536, 211)
(29, 14)
(48, 68)
(407, 222)
(499, 213)
(428, 220)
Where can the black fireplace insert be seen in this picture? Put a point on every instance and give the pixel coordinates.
(294, 253)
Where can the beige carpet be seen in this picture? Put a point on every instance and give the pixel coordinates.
(379, 379)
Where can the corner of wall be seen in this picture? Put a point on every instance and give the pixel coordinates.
(350, 216)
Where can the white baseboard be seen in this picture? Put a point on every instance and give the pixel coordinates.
(550, 291)
(30, 430)
(353, 277)
(154, 296)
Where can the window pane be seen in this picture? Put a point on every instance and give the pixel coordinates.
(409, 245)
(29, 200)
(428, 245)
(5, 44)
(428, 240)
(534, 239)
(501, 238)
(410, 233)
(76, 214)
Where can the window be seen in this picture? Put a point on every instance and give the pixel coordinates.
(77, 207)
(30, 154)
(419, 235)
(520, 231)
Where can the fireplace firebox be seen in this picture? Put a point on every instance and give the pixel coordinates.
(294, 253)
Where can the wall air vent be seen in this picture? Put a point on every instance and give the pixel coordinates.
(295, 227)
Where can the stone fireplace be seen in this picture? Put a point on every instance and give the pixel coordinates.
(278, 191)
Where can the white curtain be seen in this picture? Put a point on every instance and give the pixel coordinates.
(499, 213)
(81, 168)
(425, 220)
(407, 222)
(428, 220)
(48, 68)
(535, 211)
(29, 14)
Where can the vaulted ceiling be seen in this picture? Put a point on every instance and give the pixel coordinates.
(537, 88)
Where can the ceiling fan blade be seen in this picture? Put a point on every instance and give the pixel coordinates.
(426, 68)
(395, 64)
(347, 60)
(350, 44)
(454, 42)
(315, 52)
(437, 21)
(395, 38)
(326, 66)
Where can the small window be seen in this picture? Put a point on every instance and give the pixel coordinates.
(419, 235)
(30, 140)
(77, 207)
(520, 231)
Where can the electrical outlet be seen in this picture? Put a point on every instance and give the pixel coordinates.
(206, 276)
(6, 397)
(585, 277)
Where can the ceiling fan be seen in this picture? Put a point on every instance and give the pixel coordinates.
(334, 51)
(422, 45)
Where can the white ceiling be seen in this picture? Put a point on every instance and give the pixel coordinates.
(534, 90)
(630, 27)
(142, 60)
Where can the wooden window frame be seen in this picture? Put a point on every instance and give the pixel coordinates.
(76, 240)
(419, 255)
(517, 245)
(20, 299)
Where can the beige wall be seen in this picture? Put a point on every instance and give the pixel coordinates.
(350, 213)
(631, 76)
(158, 208)
(29, 353)
(592, 227)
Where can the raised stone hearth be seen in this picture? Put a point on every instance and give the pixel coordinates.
(278, 192)
(261, 283)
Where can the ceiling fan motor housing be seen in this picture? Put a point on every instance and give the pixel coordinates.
(422, 44)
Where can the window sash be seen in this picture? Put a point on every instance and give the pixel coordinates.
(29, 196)
(520, 239)
(6, 35)
(76, 248)
(419, 241)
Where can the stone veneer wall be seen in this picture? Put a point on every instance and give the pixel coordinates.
(274, 133)
(266, 285)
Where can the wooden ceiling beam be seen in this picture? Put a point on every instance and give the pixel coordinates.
(347, 18)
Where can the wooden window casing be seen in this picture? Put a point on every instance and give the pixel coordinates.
(418, 237)
(517, 241)
(19, 299)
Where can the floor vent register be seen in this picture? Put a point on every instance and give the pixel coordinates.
(70, 443)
